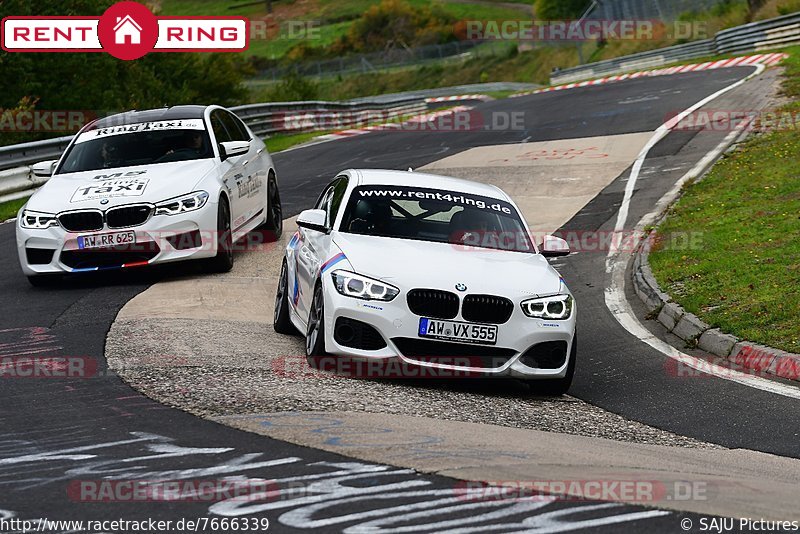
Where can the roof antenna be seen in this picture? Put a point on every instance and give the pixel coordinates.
(410, 169)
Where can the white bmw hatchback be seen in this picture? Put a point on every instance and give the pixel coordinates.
(431, 272)
(147, 187)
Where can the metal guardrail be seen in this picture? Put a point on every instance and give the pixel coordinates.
(283, 117)
(263, 119)
(755, 36)
(26, 153)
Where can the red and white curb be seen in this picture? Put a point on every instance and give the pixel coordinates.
(408, 124)
(458, 98)
(741, 61)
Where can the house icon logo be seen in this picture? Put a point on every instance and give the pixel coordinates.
(127, 31)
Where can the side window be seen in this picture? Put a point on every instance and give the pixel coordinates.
(236, 133)
(321, 203)
(339, 188)
(242, 128)
(220, 132)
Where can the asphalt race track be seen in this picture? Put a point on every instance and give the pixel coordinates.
(58, 431)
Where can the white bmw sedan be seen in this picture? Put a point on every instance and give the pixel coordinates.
(147, 187)
(431, 272)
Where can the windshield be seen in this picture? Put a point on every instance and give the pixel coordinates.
(138, 144)
(435, 215)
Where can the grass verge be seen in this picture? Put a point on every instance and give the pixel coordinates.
(9, 209)
(744, 277)
(279, 142)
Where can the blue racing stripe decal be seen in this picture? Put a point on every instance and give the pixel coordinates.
(333, 261)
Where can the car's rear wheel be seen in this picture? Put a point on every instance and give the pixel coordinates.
(222, 262)
(557, 386)
(274, 224)
(315, 333)
(281, 321)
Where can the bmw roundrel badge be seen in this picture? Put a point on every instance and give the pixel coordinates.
(461, 287)
(104, 201)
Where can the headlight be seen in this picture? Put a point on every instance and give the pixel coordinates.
(182, 204)
(361, 287)
(37, 220)
(554, 307)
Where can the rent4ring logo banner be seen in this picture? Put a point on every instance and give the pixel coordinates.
(127, 30)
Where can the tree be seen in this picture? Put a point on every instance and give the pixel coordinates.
(103, 84)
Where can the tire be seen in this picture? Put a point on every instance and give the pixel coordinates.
(558, 386)
(223, 261)
(281, 321)
(274, 223)
(315, 333)
(44, 280)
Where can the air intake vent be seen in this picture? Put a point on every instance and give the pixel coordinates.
(453, 354)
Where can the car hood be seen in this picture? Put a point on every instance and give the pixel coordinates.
(408, 264)
(105, 188)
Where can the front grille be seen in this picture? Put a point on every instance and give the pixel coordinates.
(126, 216)
(486, 309)
(357, 335)
(81, 221)
(39, 256)
(433, 303)
(547, 355)
(111, 256)
(454, 354)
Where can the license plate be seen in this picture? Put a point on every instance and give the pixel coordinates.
(106, 240)
(458, 331)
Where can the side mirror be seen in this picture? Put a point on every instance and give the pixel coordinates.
(228, 149)
(554, 246)
(44, 168)
(313, 220)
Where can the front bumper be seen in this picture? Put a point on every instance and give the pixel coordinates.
(517, 340)
(161, 239)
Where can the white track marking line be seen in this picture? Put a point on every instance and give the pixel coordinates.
(616, 264)
(659, 134)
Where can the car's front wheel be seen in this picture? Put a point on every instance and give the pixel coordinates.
(281, 321)
(274, 223)
(315, 333)
(557, 386)
(222, 262)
